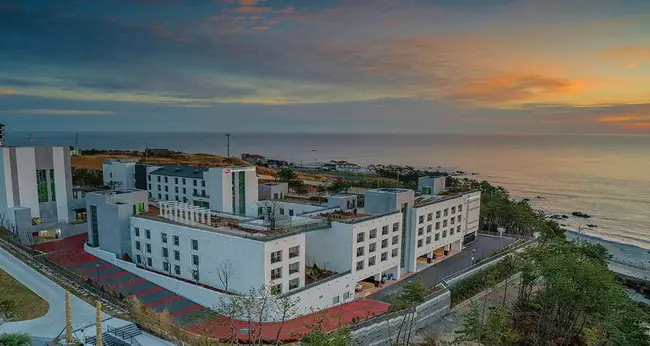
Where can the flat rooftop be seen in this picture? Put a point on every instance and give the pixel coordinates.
(115, 192)
(348, 216)
(390, 190)
(181, 171)
(432, 199)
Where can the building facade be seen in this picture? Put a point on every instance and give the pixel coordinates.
(38, 178)
(119, 173)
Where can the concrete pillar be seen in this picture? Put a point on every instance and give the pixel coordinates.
(160, 208)
(205, 213)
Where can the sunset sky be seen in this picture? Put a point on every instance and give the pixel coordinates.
(428, 66)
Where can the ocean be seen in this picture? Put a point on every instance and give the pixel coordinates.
(606, 176)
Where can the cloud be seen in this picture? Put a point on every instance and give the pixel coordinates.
(56, 112)
(636, 125)
(6, 92)
(631, 65)
(512, 87)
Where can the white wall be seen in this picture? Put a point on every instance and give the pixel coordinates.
(248, 256)
(379, 266)
(6, 185)
(26, 170)
(473, 212)
(432, 209)
(298, 208)
(331, 247)
(284, 244)
(60, 185)
(122, 172)
(321, 295)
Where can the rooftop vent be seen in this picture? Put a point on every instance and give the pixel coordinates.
(177, 169)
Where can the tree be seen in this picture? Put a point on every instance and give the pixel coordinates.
(286, 308)
(337, 337)
(270, 210)
(286, 175)
(225, 272)
(15, 340)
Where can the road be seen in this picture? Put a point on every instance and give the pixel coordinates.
(431, 276)
(52, 323)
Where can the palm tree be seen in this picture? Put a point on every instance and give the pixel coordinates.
(15, 340)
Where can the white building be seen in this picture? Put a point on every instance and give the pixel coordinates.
(119, 173)
(38, 178)
(225, 189)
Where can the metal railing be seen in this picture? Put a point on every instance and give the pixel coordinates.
(120, 333)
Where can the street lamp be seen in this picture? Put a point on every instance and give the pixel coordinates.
(580, 229)
(97, 273)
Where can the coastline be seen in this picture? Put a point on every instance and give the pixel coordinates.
(626, 254)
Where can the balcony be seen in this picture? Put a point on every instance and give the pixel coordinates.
(200, 195)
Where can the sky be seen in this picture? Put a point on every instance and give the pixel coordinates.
(407, 66)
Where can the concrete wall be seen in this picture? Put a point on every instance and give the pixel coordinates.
(26, 173)
(122, 173)
(331, 248)
(473, 212)
(382, 330)
(324, 294)
(62, 181)
(267, 191)
(392, 263)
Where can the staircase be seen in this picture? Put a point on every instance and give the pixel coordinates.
(122, 336)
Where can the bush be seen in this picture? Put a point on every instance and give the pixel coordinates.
(15, 340)
(482, 280)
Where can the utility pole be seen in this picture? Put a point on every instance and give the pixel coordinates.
(228, 143)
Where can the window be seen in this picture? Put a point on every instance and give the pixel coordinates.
(165, 266)
(437, 236)
(371, 261)
(453, 210)
(276, 289)
(138, 259)
(420, 243)
(361, 237)
(195, 275)
(175, 180)
(384, 230)
(176, 189)
(195, 260)
(41, 183)
(429, 240)
(451, 231)
(395, 239)
(195, 244)
(294, 268)
(276, 273)
(134, 211)
(148, 248)
(458, 218)
(360, 265)
(195, 192)
(384, 256)
(421, 219)
(137, 245)
(372, 247)
(373, 234)
(176, 240)
(396, 227)
(159, 196)
(453, 220)
(444, 234)
(166, 181)
(137, 232)
(393, 253)
(360, 251)
(166, 188)
(177, 255)
(281, 211)
(290, 212)
(149, 177)
(276, 256)
(458, 229)
(460, 208)
(437, 225)
(177, 269)
(159, 188)
(294, 251)
(421, 231)
(294, 283)
(346, 296)
(194, 183)
(446, 212)
(149, 262)
(202, 183)
(184, 191)
(335, 300)
(384, 243)
(165, 252)
(166, 197)
(438, 214)
(444, 223)
(158, 178)
(163, 237)
(149, 193)
(149, 186)
(429, 228)
(183, 181)
(429, 216)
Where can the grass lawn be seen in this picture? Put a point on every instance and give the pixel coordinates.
(28, 304)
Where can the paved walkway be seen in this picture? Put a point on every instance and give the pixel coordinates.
(52, 323)
(432, 275)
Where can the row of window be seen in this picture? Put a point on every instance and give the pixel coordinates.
(444, 224)
(276, 256)
(372, 234)
(373, 260)
(195, 182)
(276, 273)
(165, 252)
(293, 284)
(445, 213)
(372, 247)
(163, 238)
(195, 192)
(167, 268)
(437, 236)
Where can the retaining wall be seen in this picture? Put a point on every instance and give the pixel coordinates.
(384, 329)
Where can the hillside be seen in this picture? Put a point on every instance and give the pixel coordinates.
(95, 161)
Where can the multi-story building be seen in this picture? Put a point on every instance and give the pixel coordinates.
(119, 173)
(38, 178)
(109, 213)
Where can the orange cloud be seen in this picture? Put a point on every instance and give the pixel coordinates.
(6, 92)
(512, 87)
(622, 118)
(631, 65)
(636, 125)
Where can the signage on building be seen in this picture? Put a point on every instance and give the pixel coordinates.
(226, 171)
